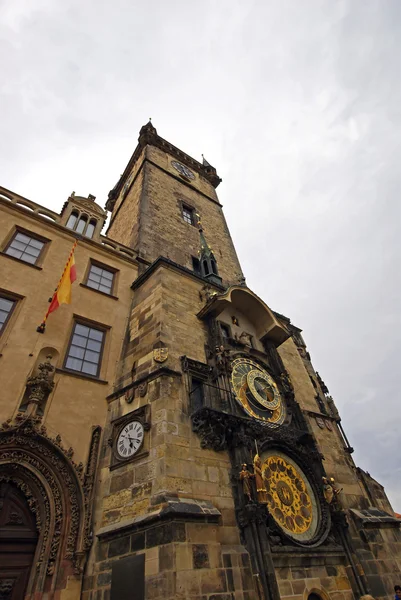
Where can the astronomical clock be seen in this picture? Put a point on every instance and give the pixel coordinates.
(257, 392)
(277, 481)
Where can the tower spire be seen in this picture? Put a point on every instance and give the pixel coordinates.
(208, 264)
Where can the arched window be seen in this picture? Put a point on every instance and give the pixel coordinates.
(214, 267)
(205, 267)
(81, 224)
(91, 228)
(72, 219)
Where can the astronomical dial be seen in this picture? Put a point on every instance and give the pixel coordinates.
(183, 170)
(290, 498)
(257, 392)
(130, 439)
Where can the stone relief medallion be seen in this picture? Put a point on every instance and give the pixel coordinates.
(160, 355)
(320, 422)
(290, 498)
(329, 425)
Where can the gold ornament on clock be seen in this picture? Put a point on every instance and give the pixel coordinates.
(257, 392)
(289, 495)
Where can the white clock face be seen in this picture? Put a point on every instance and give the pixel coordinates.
(183, 170)
(130, 439)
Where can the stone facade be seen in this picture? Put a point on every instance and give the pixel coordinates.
(197, 376)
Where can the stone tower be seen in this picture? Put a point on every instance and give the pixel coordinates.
(225, 472)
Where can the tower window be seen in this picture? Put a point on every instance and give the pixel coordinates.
(7, 306)
(196, 265)
(205, 267)
(90, 229)
(214, 267)
(24, 247)
(188, 214)
(225, 331)
(85, 350)
(100, 279)
(72, 219)
(81, 224)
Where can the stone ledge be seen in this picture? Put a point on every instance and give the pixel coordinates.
(187, 509)
(374, 517)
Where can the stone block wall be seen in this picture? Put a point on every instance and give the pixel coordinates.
(150, 218)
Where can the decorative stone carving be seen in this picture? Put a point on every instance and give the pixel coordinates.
(40, 386)
(45, 472)
(245, 477)
(160, 355)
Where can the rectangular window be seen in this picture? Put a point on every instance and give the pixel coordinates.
(25, 247)
(100, 279)
(225, 331)
(196, 265)
(85, 350)
(197, 394)
(188, 214)
(7, 306)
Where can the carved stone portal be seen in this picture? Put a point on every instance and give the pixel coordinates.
(58, 492)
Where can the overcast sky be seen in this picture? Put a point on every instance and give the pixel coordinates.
(297, 104)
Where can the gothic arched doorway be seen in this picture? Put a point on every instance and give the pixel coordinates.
(18, 539)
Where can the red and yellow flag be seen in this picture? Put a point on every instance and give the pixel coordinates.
(62, 295)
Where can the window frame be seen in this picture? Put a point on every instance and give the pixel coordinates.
(13, 298)
(227, 327)
(110, 269)
(185, 209)
(92, 325)
(33, 235)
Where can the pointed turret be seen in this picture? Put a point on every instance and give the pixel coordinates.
(208, 264)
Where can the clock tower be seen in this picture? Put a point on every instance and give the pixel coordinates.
(225, 472)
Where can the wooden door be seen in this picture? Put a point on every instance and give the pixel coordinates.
(18, 538)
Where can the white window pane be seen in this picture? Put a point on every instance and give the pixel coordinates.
(92, 345)
(95, 334)
(76, 352)
(81, 330)
(78, 340)
(108, 275)
(6, 304)
(18, 245)
(93, 284)
(95, 277)
(95, 269)
(21, 237)
(92, 356)
(89, 368)
(74, 363)
(81, 225)
(32, 251)
(105, 289)
(72, 219)
(28, 258)
(89, 230)
(12, 252)
(36, 244)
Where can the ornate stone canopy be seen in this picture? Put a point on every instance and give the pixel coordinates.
(267, 326)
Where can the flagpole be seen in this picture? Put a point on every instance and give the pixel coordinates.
(41, 328)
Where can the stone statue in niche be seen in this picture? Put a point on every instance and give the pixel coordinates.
(245, 339)
(331, 492)
(245, 477)
(261, 492)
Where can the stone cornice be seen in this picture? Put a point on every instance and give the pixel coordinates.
(148, 136)
(169, 264)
